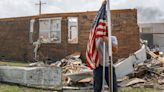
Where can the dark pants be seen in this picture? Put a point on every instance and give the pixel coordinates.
(98, 75)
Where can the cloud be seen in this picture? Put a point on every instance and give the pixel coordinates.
(149, 14)
(15, 8)
(10, 8)
(148, 10)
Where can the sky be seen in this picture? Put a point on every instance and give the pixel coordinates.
(147, 9)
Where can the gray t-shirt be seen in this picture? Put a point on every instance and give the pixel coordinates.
(99, 45)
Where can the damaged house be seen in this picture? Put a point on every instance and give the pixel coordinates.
(63, 34)
(153, 32)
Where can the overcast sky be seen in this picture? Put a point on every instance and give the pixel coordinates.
(16, 8)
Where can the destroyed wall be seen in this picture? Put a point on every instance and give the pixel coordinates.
(15, 43)
(126, 29)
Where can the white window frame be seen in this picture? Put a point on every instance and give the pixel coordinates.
(77, 31)
(32, 22)
(49, 28)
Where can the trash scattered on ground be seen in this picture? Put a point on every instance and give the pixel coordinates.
(132, 81)
(36, 64)
(73, 69)
(149, 74)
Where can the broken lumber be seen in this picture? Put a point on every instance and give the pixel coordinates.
(131, 82)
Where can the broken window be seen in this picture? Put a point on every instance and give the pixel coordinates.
(50, 30)
(55, 32)
(73, 30)
(31, 30)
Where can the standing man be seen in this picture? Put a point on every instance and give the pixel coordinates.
(98, 72)
(94, 54)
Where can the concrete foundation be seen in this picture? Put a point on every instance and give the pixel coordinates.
(40, 77)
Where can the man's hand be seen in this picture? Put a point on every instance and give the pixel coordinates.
(105, 39)
(114, 46)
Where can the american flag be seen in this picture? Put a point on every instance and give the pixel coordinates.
(98, 29)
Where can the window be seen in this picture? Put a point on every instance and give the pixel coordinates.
(73, 30)
(31, 30)
(147, 30)
(55, 32)
(44, 31)
(50, 30)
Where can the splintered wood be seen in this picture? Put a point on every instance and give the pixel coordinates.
(71, 64)
(149, 74)
(73, 69)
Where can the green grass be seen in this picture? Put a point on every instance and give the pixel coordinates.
(6, 88)
(16, 88)
(13, 63)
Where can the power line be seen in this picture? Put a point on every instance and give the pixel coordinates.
(40, 6)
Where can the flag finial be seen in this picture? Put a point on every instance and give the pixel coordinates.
(103, 1)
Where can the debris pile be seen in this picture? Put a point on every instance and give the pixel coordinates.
(70, 65)
(149, 74)
(73, 69)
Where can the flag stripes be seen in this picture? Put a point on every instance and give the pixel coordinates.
(99, 29)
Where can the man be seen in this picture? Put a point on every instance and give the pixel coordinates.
(98, 72)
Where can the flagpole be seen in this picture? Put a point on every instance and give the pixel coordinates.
(103, 79)
(103, 74)
(110, 47)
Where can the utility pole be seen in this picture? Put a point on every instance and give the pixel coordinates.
(40, 6)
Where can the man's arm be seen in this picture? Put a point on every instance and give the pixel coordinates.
(114, 48)
(114, 43)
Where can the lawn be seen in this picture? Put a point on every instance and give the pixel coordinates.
(13, 63)
(16, 88)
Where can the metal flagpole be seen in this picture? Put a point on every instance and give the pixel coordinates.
(110, 47)
(103, 79)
